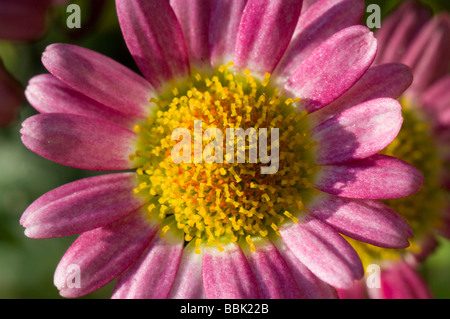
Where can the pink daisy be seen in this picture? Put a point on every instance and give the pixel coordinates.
(226, 230)
(411, 35)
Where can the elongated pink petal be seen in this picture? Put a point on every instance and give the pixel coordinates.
(358, 132)
(323, 19)
(369, 221)
(23, 20)
(224, 25)
(227, 274)
(388, 80)
(49, 95)
(401, 281)
(398, 31)
(78, 141)
(329, 71)
(429, 54)
(82, 205)
(264, 33)
(154, 38)
(194, 17)
(377, 177)
(320, 248)
(437, 96)
(272, 274)
(102, 254)
(311, 287)
(152, 276)
(188, 283)
(99, 78)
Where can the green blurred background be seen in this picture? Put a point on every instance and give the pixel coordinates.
(27, 265)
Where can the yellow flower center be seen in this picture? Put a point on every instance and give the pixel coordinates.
(230, 198)
(415, 145)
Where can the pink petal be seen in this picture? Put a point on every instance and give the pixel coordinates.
(23, 20)
(401, 281)
(82, 205)
(49, 95)
(152, 276)
(224, 25)
(385, 80)
(311, 287)
(358, 291)
(264, 33)
(227, 274)
(320, 248)
(330, 70)
(78, 141)
(322, 20)
(102, 254)
(154, 38)
(188, 283)
(194, 16)
(272, 274)
(99, 78)
(429, 54)
(399, 29)
(437, 97)
(358, 132)
(436, 102)
(377, 177)
(369, 221)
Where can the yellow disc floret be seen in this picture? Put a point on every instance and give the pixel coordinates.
(223, 189)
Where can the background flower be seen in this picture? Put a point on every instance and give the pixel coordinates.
(411, 35)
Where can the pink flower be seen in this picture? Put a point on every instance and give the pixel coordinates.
(411, 35)
(193, 230)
